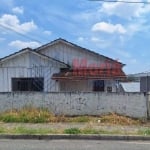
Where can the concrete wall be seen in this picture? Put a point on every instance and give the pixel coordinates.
(128, 104)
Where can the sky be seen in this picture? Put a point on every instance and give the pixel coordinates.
(117, 30)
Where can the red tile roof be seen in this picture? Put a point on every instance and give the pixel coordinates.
(80, 74)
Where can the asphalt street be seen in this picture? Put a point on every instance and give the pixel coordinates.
(72, 145)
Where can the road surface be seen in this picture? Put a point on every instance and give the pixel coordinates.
(72, 145)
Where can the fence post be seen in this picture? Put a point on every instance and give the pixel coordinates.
(148, 105)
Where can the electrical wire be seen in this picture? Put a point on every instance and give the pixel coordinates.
(122, 1)
(21, 34)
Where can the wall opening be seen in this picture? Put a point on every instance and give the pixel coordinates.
(27, 84)
(98, 85)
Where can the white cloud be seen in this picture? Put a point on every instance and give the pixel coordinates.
(100, 43)
(80, 39)
(109, 28)
(47, 32)
(21, 44)
(18, 10)
(11, 21)
(96, 39)
(124, 10)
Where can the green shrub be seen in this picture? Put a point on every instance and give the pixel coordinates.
(72, 131)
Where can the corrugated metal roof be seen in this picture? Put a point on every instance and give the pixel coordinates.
(131, 86)
(32, 51)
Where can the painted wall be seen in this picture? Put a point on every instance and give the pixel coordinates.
(67, 53)
(128, 104)
(84, 85)
(29, 65)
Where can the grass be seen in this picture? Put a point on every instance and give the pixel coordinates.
(37, 115)
(27, 115)
(144, 132)
(23, 130)
(45, 131)
(30, 131)
(94, 131)
(2, 130)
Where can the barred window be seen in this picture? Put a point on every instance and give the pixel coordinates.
(98, 85)
(27, 84)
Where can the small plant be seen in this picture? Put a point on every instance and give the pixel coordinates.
(72, 131)
(144, 132)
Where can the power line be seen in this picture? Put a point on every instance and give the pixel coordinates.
(122, 1)
(21, 34)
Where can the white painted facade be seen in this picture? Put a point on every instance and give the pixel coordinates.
(26, 65)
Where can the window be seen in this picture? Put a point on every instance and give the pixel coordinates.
(98, 85)
(27, 84)
(109, 89)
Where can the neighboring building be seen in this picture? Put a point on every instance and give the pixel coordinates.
(59, 66)
(129, 86)
(145, 83)
(144, 80)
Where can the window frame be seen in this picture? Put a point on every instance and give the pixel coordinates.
(27, 84)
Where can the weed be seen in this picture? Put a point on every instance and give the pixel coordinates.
(41, 115)
(26, 115)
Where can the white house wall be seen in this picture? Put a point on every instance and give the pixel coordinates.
(67, 54)
(28, 65)
(84, 85)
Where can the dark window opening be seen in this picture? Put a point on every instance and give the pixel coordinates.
(109, 89)
(98, 85)
(27, 84)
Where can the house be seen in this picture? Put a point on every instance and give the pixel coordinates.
(59, 66)
(144, 79)
(129, 87)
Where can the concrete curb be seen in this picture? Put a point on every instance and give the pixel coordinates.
(76, 137)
